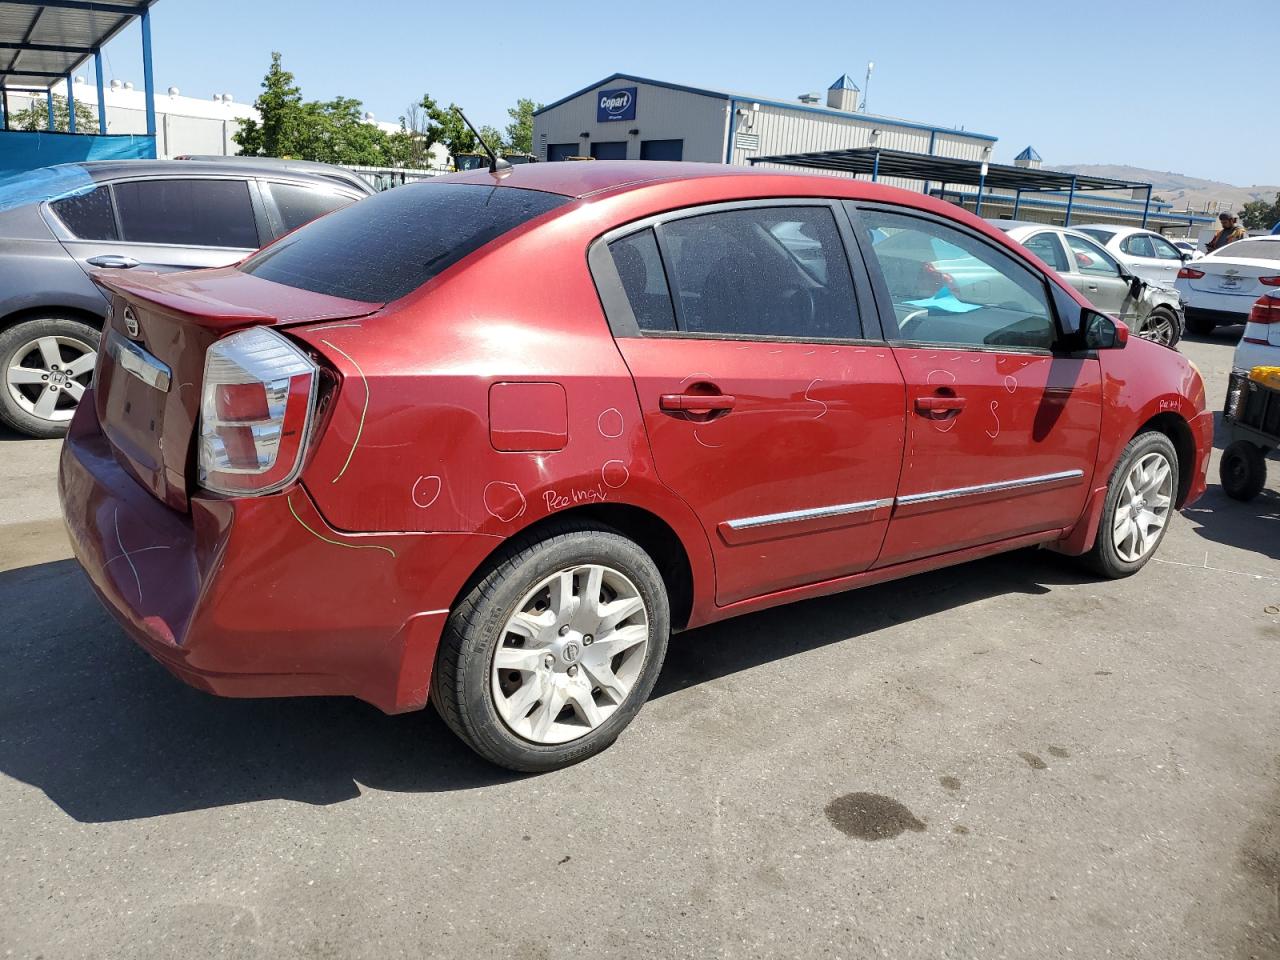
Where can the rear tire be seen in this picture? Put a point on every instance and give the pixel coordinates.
(1242, 470)
(1140, 504)
(36, 399)
(1200, 326)
(574, 671)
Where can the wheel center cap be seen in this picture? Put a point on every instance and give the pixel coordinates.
(570, 652)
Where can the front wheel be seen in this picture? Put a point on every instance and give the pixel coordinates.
(1140, 502)
(554, 650)
(1161, 326)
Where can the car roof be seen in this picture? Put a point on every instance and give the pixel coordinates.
(583, 178)
(102, 170)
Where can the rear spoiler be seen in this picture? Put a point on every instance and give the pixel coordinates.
(227, 299)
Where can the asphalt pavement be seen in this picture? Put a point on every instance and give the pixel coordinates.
(1005, 759)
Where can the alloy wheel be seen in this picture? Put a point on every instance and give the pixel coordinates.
(47, 376)
(1159, 328)
(1142, 511)
(570, 654)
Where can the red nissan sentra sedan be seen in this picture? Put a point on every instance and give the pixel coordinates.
(487, 440)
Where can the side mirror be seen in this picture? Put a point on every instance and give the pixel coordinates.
(1186, 255)
(1101, 332)
(1135, 286)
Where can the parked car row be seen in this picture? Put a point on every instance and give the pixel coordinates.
(1153, 310)
(59, 224)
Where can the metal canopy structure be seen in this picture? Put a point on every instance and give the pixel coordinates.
(878, 163)
(43, 42)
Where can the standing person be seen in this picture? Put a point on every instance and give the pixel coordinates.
(1231, 232)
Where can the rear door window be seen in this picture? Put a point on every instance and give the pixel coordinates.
(299, 205)
(763, 271)
(1138, 245)
(88, 216)
(1048, 248)
(1091, 258)
(388, 245)
(195, 213)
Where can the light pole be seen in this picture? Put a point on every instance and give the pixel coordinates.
(866, 84)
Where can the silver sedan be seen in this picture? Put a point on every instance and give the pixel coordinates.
(1151, 310)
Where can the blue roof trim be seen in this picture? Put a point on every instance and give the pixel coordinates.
(843, 83)
(723, 95)
(1029, 200)
(1029, 154)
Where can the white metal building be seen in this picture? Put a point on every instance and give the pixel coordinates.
(624, 117)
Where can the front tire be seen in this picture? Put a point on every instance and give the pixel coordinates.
(1140, 503)
(555, 648)
(46, 364)
(1162, 327)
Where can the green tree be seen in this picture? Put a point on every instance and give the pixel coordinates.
(1260, 215)
(520, 129)
(492, 137)
(279, 130)
(454, 133)
(36, 117)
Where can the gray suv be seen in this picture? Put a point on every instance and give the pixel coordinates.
(59, 223)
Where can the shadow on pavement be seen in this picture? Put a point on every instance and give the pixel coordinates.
(1253, 527)
(109, 735)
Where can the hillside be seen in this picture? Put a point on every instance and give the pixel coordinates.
(1177, 188)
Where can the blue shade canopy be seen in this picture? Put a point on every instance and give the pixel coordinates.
(40, 43)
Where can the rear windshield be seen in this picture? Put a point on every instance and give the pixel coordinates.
(1250, 250)
(388, 245)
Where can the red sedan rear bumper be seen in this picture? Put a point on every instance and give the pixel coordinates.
(259, 597)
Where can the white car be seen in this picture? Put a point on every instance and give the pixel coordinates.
(1221, 287)
(1187, 245)
(1151, 310)
(1260, 345)
(1147, 254)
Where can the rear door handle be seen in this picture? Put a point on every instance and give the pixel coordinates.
(939, 404)
(112, 261)
(695, 402)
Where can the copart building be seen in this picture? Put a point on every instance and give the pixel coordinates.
(625, 117)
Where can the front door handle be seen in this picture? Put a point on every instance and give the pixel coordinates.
(940, 404)
(112, 261)
(695, 402)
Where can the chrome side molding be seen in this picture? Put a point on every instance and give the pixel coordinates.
(133, 359)
(1060, 478)
(998, 487)
(791, 516)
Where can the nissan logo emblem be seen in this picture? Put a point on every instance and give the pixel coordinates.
(130, 322)
(570, 652)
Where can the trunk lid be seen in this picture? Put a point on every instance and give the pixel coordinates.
(150, 371)
(1233, 276)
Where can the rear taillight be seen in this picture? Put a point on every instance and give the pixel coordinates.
(1269, 281)
(1266, 310)
(1190, 273)
(255, 412)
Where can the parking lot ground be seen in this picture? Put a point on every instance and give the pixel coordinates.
(1005, 759)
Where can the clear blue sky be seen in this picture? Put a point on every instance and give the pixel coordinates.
(1153, 84)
